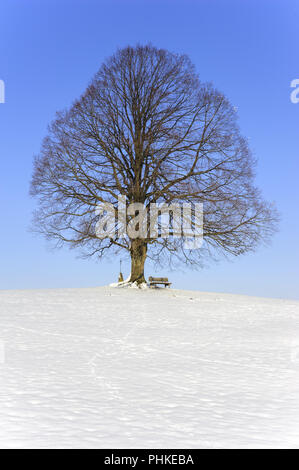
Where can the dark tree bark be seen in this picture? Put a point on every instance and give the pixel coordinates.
(138, 256)
(148, 129)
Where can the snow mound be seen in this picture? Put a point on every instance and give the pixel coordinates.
(129, 285)
(125, 368)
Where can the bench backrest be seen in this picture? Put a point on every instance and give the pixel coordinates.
(158, 279)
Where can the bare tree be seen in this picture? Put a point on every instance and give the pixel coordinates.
(148, 129)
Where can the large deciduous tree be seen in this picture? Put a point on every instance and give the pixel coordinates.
(147, 128)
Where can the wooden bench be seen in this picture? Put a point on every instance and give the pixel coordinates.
(154, 281)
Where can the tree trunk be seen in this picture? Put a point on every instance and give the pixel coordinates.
(138, 257)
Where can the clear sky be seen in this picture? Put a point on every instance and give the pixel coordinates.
(49, 51)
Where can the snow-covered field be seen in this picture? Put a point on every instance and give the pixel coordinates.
(124, 368)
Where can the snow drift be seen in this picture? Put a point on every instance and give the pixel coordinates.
(106, 367)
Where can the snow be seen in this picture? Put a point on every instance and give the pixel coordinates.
(129, 285)
(127, 368)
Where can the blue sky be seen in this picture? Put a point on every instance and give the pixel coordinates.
(49, 51)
